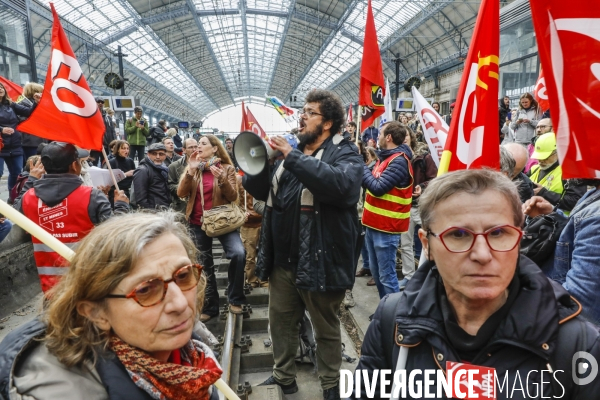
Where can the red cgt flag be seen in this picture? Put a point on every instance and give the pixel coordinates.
(12, 89)
(473, 137)
(372, 85)
(67, 111)
(540, 93)
(253, 125)
(569, 45)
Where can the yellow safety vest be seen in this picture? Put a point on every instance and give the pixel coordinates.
(552, 181)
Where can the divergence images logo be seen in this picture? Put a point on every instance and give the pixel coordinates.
(584, 368)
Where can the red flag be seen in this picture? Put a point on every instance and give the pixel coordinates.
(540, 93)
(473, 137)
(253, 125)
(372, 85)
(569, 46)
(350, 118)
(12, 89)
(245, 125)
(67, 111)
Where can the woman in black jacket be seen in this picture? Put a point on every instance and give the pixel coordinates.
(30, 142)
(122, 161)
(12, 152)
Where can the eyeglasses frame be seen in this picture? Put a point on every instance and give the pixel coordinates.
(132, 295)
(484, 234)
(310, 113)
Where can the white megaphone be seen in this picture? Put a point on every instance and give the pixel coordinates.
(252, 153)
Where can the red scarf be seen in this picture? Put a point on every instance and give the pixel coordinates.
(190, 379)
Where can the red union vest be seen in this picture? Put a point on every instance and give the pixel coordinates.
(68, 221)
(390, 212)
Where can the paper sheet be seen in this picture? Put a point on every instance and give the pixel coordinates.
(101, 177)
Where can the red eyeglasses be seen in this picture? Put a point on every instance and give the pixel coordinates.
(461, 240)
(153, 291)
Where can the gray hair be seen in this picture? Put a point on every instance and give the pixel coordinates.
(507, 162)
(472, 181)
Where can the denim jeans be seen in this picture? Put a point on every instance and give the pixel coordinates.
(234, 251)
(5, 228)
(382, 248)
(15, 166)
(365, 253)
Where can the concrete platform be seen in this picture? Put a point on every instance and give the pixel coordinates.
(367, 300)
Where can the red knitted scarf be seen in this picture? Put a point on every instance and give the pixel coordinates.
(165, 380)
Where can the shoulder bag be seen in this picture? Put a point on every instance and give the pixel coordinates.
(221, 219)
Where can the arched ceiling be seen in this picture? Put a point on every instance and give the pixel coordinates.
(199, 56)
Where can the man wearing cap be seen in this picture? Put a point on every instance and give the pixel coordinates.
(55, 198)
(150, 180)
(547, 176)
(137, 131)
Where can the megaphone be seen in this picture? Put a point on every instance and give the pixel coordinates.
(252, 153)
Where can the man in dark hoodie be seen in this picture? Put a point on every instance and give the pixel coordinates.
(150, 179)
(60, 203)
(386, 212)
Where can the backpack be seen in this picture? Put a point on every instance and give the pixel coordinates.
(14, 192)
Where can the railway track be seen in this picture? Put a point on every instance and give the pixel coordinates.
(245, 348)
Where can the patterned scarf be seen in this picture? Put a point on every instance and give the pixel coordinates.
(165, 380)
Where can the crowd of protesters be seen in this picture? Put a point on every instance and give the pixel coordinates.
(338, 197)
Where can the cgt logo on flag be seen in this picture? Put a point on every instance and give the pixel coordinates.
(471, 148)
(66, 88)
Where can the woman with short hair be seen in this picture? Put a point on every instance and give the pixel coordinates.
(209, 180)
(119, 324)
(478, 302)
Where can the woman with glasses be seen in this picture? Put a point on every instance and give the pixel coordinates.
(119, 324)
(477, 302)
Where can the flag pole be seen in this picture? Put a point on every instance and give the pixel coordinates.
(359, 125)
(112, 175)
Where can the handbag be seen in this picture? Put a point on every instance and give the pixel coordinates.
(541, 234)
(221, 219)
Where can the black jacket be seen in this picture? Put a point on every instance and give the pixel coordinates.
(524, 186)
(9, 118)
(114, 376)
(326, 259)
(110, 133)
(125, 164)
(157, 134)
(178, 143)
(569, 198)
(397, 173)
(525, 339)
(28, 140)
(503, 111)
(54, 188)
(150, 185)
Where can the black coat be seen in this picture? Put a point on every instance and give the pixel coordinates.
(28, 140)
(178, 142)
(329, 237)
(157, 134)
(110, 133)
(525, 340)
(9, 118)
(150, 185)
(125, 164)
(503, 111)
(114, 376)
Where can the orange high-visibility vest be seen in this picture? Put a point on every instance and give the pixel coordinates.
(390, 212)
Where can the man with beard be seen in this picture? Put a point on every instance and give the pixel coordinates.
(310, 238)
(547, 176)
(387, 205)
(578, 247)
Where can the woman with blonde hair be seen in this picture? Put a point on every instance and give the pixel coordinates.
(30, 142)
(173, 133)
(119, 323)
(209, 181)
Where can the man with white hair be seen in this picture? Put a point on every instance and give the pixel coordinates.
(521, 157)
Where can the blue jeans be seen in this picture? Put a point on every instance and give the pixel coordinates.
(5, 228)
(382, 257)
(15, 166)
(234, 250)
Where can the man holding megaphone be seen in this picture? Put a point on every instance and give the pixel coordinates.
(310, 239)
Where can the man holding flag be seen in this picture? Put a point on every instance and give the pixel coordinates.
(54, 196)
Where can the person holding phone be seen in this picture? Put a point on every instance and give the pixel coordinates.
(137, 131)
(526, 120)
